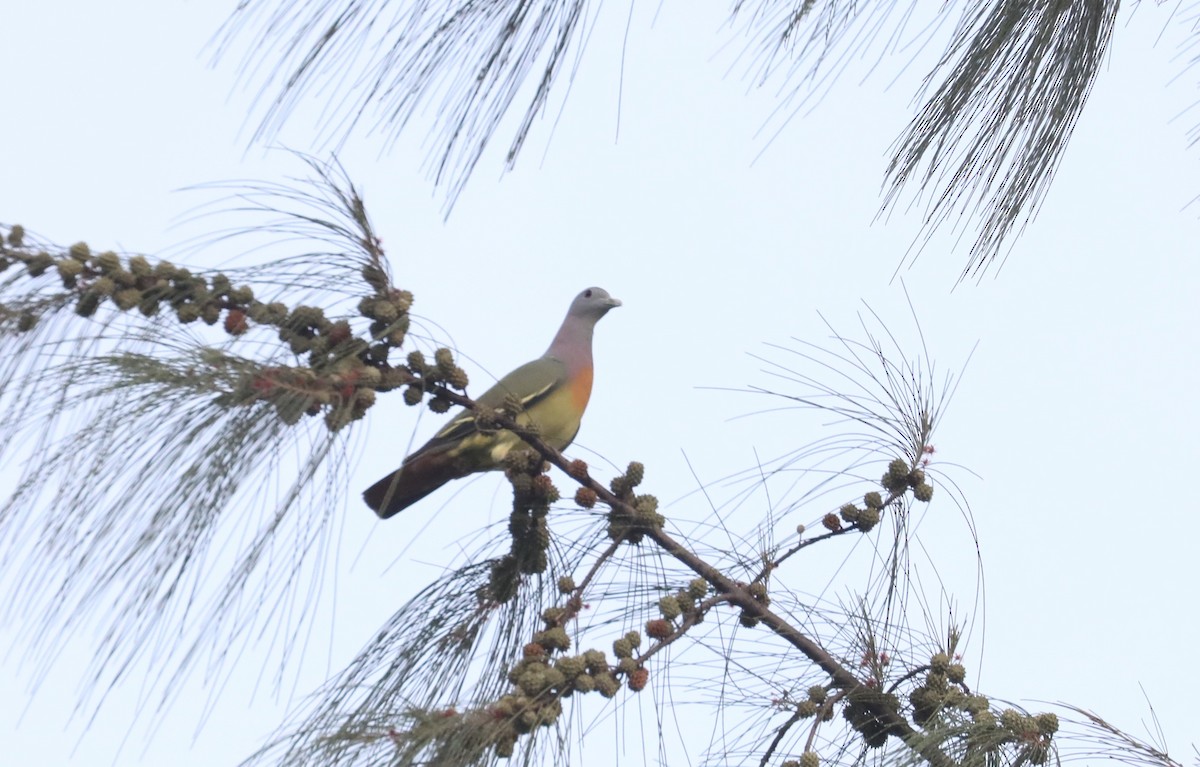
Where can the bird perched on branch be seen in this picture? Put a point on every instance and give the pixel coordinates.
(552, 392)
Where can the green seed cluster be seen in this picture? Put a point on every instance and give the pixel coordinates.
(388, 311)
(942, 696)
(623, 485)
(865, 710)
(937, 693)
(623, 648)
(443, 371)
(134, 283)
(758, 590)
(528, 525)
(647, 516)
(554, 639)
(669, 607)
(814, 704)
(923, 492)
(1031, 736)
(343, 393)
(683, 602)
(518, 713)
(341, 373)
(900, 477)
(632, 527)
(544, 676)
(1047, 724)
(807, 759)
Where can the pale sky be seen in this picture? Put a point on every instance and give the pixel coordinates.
(1076, 414)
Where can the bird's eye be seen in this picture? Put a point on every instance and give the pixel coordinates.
(587, 293)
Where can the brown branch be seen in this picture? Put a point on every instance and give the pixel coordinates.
(780, 732)
(734, 592)
(575, 602)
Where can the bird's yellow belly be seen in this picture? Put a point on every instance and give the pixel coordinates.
(556, 417)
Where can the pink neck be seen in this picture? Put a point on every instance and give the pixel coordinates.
(573, 344)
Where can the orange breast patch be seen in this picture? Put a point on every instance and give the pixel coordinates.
(581, 388)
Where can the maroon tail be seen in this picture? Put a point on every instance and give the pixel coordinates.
(417, 478)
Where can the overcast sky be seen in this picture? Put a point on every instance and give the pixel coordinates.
(1077, 414)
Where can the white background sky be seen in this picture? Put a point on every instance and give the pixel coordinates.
(1077, 412)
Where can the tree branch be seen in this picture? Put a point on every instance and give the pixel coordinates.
(735, 593)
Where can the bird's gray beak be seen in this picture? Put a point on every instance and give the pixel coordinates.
(613, 302)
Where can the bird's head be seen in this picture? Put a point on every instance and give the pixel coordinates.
(592, 303)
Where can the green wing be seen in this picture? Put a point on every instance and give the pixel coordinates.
(531, 383)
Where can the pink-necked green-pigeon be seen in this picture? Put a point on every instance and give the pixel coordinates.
(553, 391)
